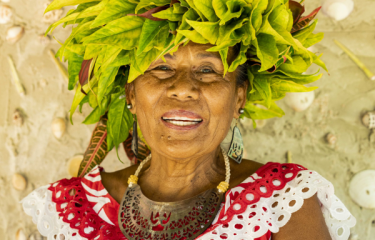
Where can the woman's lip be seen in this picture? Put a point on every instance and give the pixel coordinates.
(181, 113)
(177, 127)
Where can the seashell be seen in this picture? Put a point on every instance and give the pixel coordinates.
(6, 1)
(19, 182)
(260, 123)
(299, 101)
(5, 14)
(73, 165)
(17, 118)
(58, 127)
(362, 188)
(44, 40)
(51, 16)
(337, 9)
(14, 34)
(331, 139)
(354, 236)
(369, 120)
(36, 236)
(20, 235)
(43, 83)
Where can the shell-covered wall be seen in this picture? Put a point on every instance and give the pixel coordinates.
(33, 151)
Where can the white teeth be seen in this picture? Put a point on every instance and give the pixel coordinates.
(180, 123)
(182, 118)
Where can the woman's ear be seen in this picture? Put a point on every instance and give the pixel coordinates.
(130, 96)
(241, 98)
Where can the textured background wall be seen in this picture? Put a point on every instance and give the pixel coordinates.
(41, 158)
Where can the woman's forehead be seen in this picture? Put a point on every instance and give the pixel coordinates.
(193, 50)
(193, 53)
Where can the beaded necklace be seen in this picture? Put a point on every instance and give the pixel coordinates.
(141, 218)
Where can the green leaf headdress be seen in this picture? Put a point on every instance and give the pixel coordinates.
(115, 41)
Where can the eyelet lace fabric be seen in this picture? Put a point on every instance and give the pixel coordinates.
(269, 199)
(39, 206)
(62, 211)
(81, 208)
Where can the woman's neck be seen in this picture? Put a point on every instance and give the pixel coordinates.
(168, 180)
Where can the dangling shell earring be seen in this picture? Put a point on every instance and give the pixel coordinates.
(134, 146)
(236, 147)
(135, 137)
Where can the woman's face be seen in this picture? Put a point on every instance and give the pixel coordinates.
(185, 106)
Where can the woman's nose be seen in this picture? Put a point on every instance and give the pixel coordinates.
(183, 88)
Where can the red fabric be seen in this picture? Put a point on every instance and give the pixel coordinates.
(78, 211)
(91, 210)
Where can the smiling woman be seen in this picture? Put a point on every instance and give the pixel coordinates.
(171, 79)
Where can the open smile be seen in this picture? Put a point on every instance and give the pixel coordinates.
(181, 120)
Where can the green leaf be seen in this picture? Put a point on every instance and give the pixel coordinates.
(76, 30)
(143, 61)
(115, 9)
(82, 34)
(319, 62)
(296, 77)
(266, 50)
(226, 30)
(119, 119)
(297, 66)
(161, 40)
(313, 39)
(240, 59)
(256, 15)
(107, 77)
(262, 86)
(93, 101)
(110, 56)
(149, 31)
(303, 34)
(57, 4)
(224, 56)
(289, 86)
(192, 5)
(193, 35)
(189, 15)
(76, 48)
(73, 17)
(92, 50)
(79, 96)
(254, 112)
(74, 66)
(223, 45)
(208, 30)
(279, 16)
(145, 3)
(123, 33)
(178, 9)
(168, 14)
(205, 6)
(99, 60)
(84, 100)
(233, 9)
(122, 59)
(93, 117)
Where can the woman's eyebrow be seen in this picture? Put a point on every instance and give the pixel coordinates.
(208, 55)
(169, 56)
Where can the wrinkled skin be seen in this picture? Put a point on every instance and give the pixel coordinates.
(186, 162)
